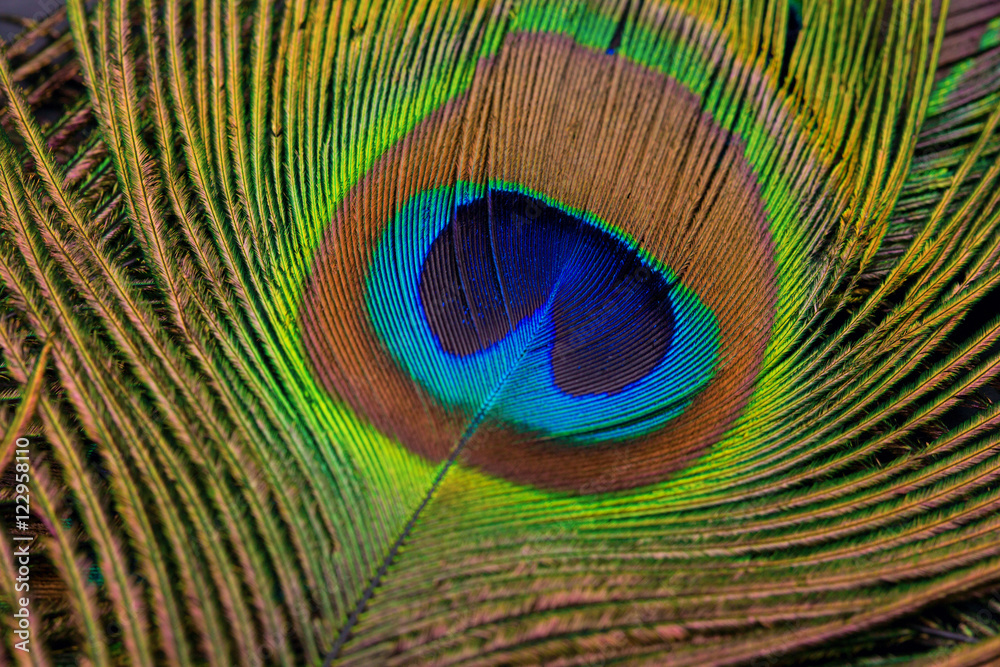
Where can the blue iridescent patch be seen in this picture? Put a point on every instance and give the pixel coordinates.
(498, 299)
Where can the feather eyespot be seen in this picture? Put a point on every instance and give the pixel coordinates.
(537, 319)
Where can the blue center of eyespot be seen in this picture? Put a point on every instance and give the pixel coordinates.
(550, 316)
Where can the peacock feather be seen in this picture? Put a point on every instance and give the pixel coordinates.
(502, 332)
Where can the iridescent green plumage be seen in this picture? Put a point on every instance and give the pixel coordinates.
(311, 394)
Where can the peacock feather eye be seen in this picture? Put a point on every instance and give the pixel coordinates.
(573, 313)
(501, 332)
